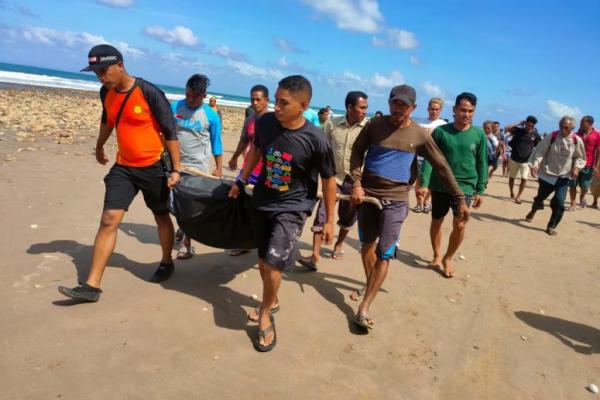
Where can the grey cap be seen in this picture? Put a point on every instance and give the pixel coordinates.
(404, 93)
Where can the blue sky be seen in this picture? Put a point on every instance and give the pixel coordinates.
(518, 57)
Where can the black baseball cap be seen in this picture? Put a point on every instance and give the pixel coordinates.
(404, 93)
(102, 56)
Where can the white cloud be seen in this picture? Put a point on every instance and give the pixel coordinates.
(223, 51)
(178, 36)
(287, 47)
(247, 69)
(18, 9)
(382, 81)
(398, 38)
(127, 49)
(229, 53)
(352, 15)
(353, 77)
(117, 3)
(432, 90)
(53, 37)
(415, 60)
(180, 61)
(283, 62)
(559, 110)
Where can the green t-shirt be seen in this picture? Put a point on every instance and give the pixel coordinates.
(466, 153)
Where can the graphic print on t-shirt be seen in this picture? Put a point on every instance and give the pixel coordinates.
(279, 170)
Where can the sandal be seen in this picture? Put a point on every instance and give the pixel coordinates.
(237, 252)
(263, 334)
(337, 255)
(185, 252)
(308, 263)
(427, 208)
(363, 321)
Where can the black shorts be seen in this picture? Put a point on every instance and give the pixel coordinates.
(441, 203)
(123, 183)
(347, 212)
(384, 224)
(278, 234)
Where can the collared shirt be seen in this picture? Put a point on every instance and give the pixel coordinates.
(556, 155)
(342, 137)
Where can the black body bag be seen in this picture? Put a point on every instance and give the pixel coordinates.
(207, 215)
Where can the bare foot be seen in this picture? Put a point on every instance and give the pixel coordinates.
(512, 195)
(517, 200)
(448, 267)
(357, 294)
(254, 315)
(436, 264)
(338, 252)
(362, 319)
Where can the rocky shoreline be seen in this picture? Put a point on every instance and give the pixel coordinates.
(34, 117)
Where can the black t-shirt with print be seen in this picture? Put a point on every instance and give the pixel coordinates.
(522, 144)
(292, 162)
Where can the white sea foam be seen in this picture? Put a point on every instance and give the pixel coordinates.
(47, 81)
(22, 78)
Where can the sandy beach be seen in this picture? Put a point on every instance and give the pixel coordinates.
(521, 320)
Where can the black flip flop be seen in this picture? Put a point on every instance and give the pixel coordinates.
(263, 334)
(308, 264)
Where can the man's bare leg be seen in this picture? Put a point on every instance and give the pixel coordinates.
(511, 185)
(427, 197)
(456, 238)
(521, 189)
(573, 197)
(435, 233)
(315, 256)
(271, 284)
(104, 244)
(254, 314)
(166, 234)
(337, 247)
(582, 194)
(418, 196)
(376, 277)
(368, 256)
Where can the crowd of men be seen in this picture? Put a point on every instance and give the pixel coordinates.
(286, 151)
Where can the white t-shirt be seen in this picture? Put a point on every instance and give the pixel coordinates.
(430, 125)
